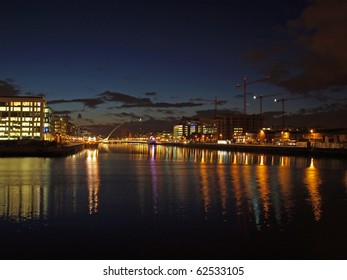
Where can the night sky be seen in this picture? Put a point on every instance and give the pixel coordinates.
(106, 62)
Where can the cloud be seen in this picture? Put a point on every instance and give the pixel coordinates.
(35, 94)
(254, 56)
(124, 98)
(127, 100)
(104, 97)
(8, 88)
(152, 93)
(167, 111)
(89, 120)
(127, 115)
(212, 113)
(240, 96)
(317, 59)
(88, 102)
(64, 112)
(164, 105)
(212, 101)
(326, 108)
(321, 31)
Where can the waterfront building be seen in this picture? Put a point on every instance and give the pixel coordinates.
(194, 130)
(61, 128)
(327, 138)
(48, 125)
(164, 136)
(237, 126)
(23, 117)
(178, 130)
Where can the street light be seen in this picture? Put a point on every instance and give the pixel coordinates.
(281, 100)
(260, 97)
(244, 96)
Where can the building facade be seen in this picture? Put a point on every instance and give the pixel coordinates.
(23, 118)
(233, 126)
(194, 130)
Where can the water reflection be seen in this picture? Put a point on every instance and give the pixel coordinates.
(223, 189)
(23, 188)
(313, 181)
(262, 174)
(251, 185)
(93, 180)
(286, 184)
(170, 182)
(205, 188)
(155, 195)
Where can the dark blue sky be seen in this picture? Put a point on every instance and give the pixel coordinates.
(112, 61)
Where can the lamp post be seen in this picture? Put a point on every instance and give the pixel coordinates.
(244, 102)
(281, 100)
(245, 97)
(260, 97)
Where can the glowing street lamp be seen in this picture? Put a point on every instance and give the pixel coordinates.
(245, 98)
(281, 100)
(260, 97)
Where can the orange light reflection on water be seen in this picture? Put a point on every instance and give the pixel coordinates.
(23, 197)
(312, 180)
(93, 180)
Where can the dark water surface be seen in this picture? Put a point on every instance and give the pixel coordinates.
(134, 201)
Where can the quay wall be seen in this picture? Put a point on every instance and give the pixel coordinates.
(32, 148)
(268, 149)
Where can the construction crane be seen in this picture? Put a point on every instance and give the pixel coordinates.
(283, 100)
(260, 97)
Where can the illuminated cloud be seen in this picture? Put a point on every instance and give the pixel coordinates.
(164, 105)
(321, 32)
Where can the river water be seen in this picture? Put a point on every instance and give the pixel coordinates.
(134, 201)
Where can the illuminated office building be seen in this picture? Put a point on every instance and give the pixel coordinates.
(230, 126)
(187, 129)
(24, 118)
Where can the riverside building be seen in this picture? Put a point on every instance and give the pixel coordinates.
(23, 117)
(237, 126)
(195, 130)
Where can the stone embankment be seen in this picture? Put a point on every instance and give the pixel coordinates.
(35, 148)
(270, 149)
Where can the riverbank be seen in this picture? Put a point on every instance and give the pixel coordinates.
(32, 148)
(267, 149)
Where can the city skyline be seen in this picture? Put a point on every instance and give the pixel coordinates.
(108, 62)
